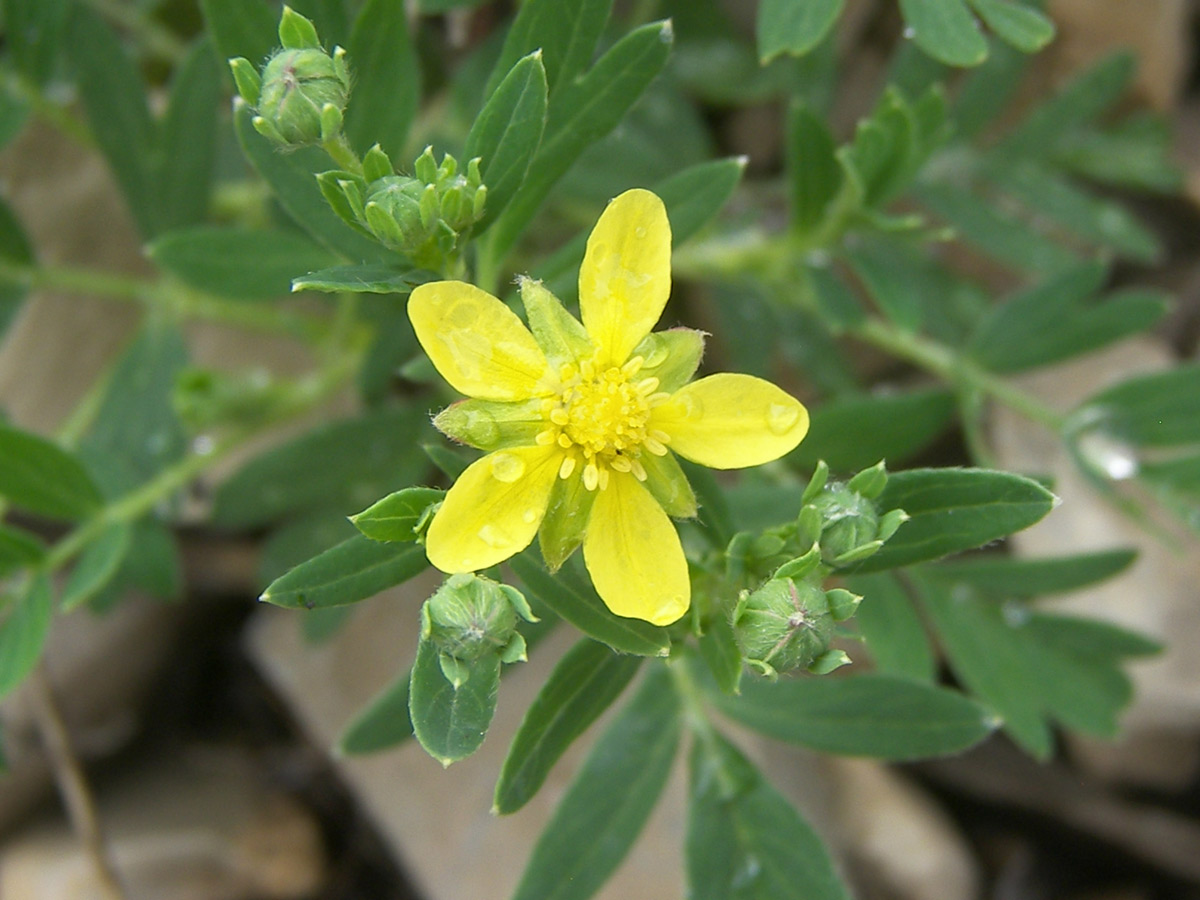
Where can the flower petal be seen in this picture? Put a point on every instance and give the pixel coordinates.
(477, 343)
(633, 554)
(731, 421)
(493, 510)
(626, 274)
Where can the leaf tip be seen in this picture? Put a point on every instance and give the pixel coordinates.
(667, 31)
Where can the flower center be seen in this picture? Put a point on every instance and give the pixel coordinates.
(601, 418)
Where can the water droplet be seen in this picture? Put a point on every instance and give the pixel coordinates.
(657, 354)
(910, 33)
(1015, 614)
(468, 349)
(494, 537)
(781, 417)
(640, 232)
(690, 406)
(482, 428)
(202, 445)
(529, 516)
(1108, 455)
(747, 872)
(507, 467)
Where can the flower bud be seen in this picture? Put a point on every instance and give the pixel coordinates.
(849, 521)
(784, 625)
(470, 616)
(302, 89)
(393, 212)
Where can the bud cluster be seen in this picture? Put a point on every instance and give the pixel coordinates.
(423, 217)
(843, 518)
(469, 617)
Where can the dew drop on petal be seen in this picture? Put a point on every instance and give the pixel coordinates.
(657, 354)
(529, 516)
(507, 467)
(640, 232)
(494, 537)
(781, 417)
(690, 406)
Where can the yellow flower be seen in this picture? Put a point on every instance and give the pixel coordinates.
(581, 420)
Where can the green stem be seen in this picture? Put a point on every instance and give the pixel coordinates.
(954, 368)
(153, 38)
(695, 714)
(340, 152)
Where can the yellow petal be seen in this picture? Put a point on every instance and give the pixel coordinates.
(478, 344)
(626, 274)
(633, 554)
(493, 510)
(731, 421)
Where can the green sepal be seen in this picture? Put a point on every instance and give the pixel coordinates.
(425, 166)
(566, 519)
(842, 603)
(828, 661)
(331, 122)
(808, 526)
(247, 79)
(560, 335)
(801, 565)
(858, 554)
(383, 225)
(671, 356)
(515, 650)
(816, 484)
(337, 187)
(377, 164)
(870, 482)
(519, 603)
(267, 130)
(890, 522)
(491, 424)
(297, 32)
(456, 671)
(398, 516)
(668, 485)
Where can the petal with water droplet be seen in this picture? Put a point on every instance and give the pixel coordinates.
(731, 421)
(625, 278)
(633, 554)
(477, 343)
(484, 519)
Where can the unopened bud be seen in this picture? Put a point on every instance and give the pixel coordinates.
(304, 92)
(470, 616)
(783, 626)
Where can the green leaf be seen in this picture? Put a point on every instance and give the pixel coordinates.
(240, 263)
(609, 800)
(1136, 154)
(583, 608)
(353, 570)
(1054, 320)
(395, 516)
(722, 655)
(584, 684)
(14, 114)
(955, 509)
(241, 28)
(367, 278)
(507, 132)
(387, 84)
(1006, 576)
(566, 31)
(892, 628)
(135, 432)
(891, 275)
(581, 113)
(18, 549)
(156, 567)
(33, 33)
(15, 248)
(382, 724)
(852, 433)
(1023, 27)
(41, 477)
(794, 26)
(114, 100)
(695, 195)
(23, 632)
(290, 176)
(744, 840)
(449, 722)
(1090, 638)
(341, 466)
(987, 90)
(1157, 410)
(861, 715)
(96, 566)
(814, 174)
(188, 141)
(946, 30)
(299, 540)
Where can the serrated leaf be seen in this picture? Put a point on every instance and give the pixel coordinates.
(23, 630)
(353, 570)
(1157, 410)
(387, 84)
(188, 141)
(566, 31)
(96, 566)
(1022, 26)
(18, 549)
(584, 683)
(382, 724)
(241, 28)
(41, 477)
(240, 263)
(861, 715)
(114, 100)
(583, 608)
(368, 278)
(892, 628)
(394, 517)
(449, 722)
(341, 466)
(744, 840)
(290, 176)
(1007, 576)
(946, 30)
(852, 433)
(581, 113)
(794, 26)
(609, 800)
(955, 509)
(507, 132)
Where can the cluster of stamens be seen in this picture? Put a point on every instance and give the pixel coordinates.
(601, 418)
